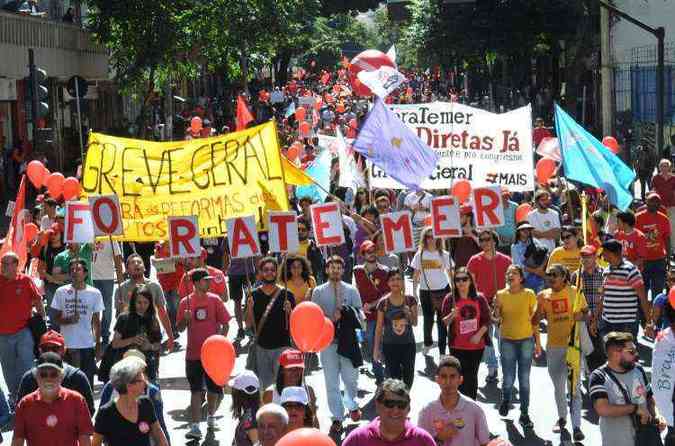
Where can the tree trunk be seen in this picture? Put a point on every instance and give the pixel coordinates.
(141, 120)
(281, 68)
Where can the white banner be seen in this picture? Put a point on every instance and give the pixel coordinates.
(663, 373)
(485, 148)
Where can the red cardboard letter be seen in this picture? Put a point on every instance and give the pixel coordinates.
(183, 236)
(488, 210)
(105, 212)
(283, 232)
(397, 231)
(327, 223)
(242, 237)
(445, 217)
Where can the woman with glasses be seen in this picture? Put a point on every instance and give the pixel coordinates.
(433, 268)
(130, 419)
(300, 413)
(557, 305)
(296, 275)
(519, 341)
(467, 315)
(396, 315)
(568, 255)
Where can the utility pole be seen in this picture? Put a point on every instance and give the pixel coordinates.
(660, 34)
(606, 74)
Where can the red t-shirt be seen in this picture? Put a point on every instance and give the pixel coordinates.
(59, 422)
(540, 133)
(208, 313)
(656, 228)
(16, 300)
(665, 188)
(471, 316)
(483, 271)
(169, 281)
(634, 245)
(217, 285)
(372, 288)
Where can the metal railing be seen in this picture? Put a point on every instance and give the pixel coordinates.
(21, 30)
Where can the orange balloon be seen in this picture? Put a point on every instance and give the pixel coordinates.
(611, 143)
(671, 296)
(300, 113)
(325, 337)
(36, 172)
(54, 183)
(307, 320)
(293, 152)
(545, 168)
(522, 211)
(304, 128)
(71, 188)
(30, 231)
(217, 356)
(196, 124)
(461, 190)
(305, 436)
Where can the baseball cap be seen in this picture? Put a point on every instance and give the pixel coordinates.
(292, 358)
(50, 360)
(199, 274)
(524, 225)
(367, 245)
(246, 381)
(653, 195)
(294, 394)
(612, 245)
(52, 338)
(588, 250)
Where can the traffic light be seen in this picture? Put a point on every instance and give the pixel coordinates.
(37, 84)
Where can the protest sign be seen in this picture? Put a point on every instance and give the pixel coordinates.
(445, 217)
(242, 237)
(183, 236)
(106, 215)
(663, 378)
(283, 232)
(397, 232)
(79, 227)
(214, 178)
(488, 209)
(482, 147)
(327, 224)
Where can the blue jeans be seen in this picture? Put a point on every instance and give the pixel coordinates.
(517, 354)
(334, 368)
(378, 369)
(490, 353)
(16, 357)
(106, 289)
(654, 276)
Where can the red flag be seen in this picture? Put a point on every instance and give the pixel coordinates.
(243, 115)
(14, 241)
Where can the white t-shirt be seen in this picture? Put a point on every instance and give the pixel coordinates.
(412, 199)
(435, 266)
(543, 221)
(103, 260)
(87, 301)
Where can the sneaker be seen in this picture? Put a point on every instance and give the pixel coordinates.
(211, 421)
(355, 415)
(525, 421)
(194, 432)
(578, 435)
(504, 408)
(492, 376)
(559, 426)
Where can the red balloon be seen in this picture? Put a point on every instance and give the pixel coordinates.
(325, 337)
(300, 113)
(304, 128)
(218, 356)
(196, 124)
(54, 183)
(37, 173)
(671, 297)
(305, 436)
(522, 211)
(307, 320)
(71, 188)
(369, 60)
(293, 152)
(545, 168)
(611, 143)
(30, 231)
(461, 190)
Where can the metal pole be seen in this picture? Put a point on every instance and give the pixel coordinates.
(606, 74)
(583, 107)
(79, 120)
(35, 99)
(660, 89)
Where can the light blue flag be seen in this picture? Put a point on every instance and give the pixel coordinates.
(587, 161)
(319, 170)
(393, 147)
(290, 110)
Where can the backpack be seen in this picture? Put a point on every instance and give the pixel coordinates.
(535, 254)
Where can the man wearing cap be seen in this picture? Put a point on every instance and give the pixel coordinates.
(18, 297)
(52, 414)
(545, 220)
(656, 227)
(591, 282)
(203, 314)
(663, 184)
(371, 281)
(507, 231)
(623, 290)
(73, 378)
(216, 284)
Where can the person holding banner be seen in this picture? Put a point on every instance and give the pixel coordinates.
(432, 270)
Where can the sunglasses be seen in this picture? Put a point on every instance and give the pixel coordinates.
(296, 406)
(462, 279)
(566, 236)
(399, 404)
(552, 275)
(49, 374)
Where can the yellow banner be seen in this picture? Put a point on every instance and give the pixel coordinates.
(214, 178)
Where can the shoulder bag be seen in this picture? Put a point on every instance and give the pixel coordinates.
(251, 359)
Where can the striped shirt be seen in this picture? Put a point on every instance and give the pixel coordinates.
(620, 284)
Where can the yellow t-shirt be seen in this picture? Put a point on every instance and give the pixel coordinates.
(299, 292)
(558, 309)
(516, 312)
(569, 258)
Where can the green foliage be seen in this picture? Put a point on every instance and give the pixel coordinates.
(329, 7)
